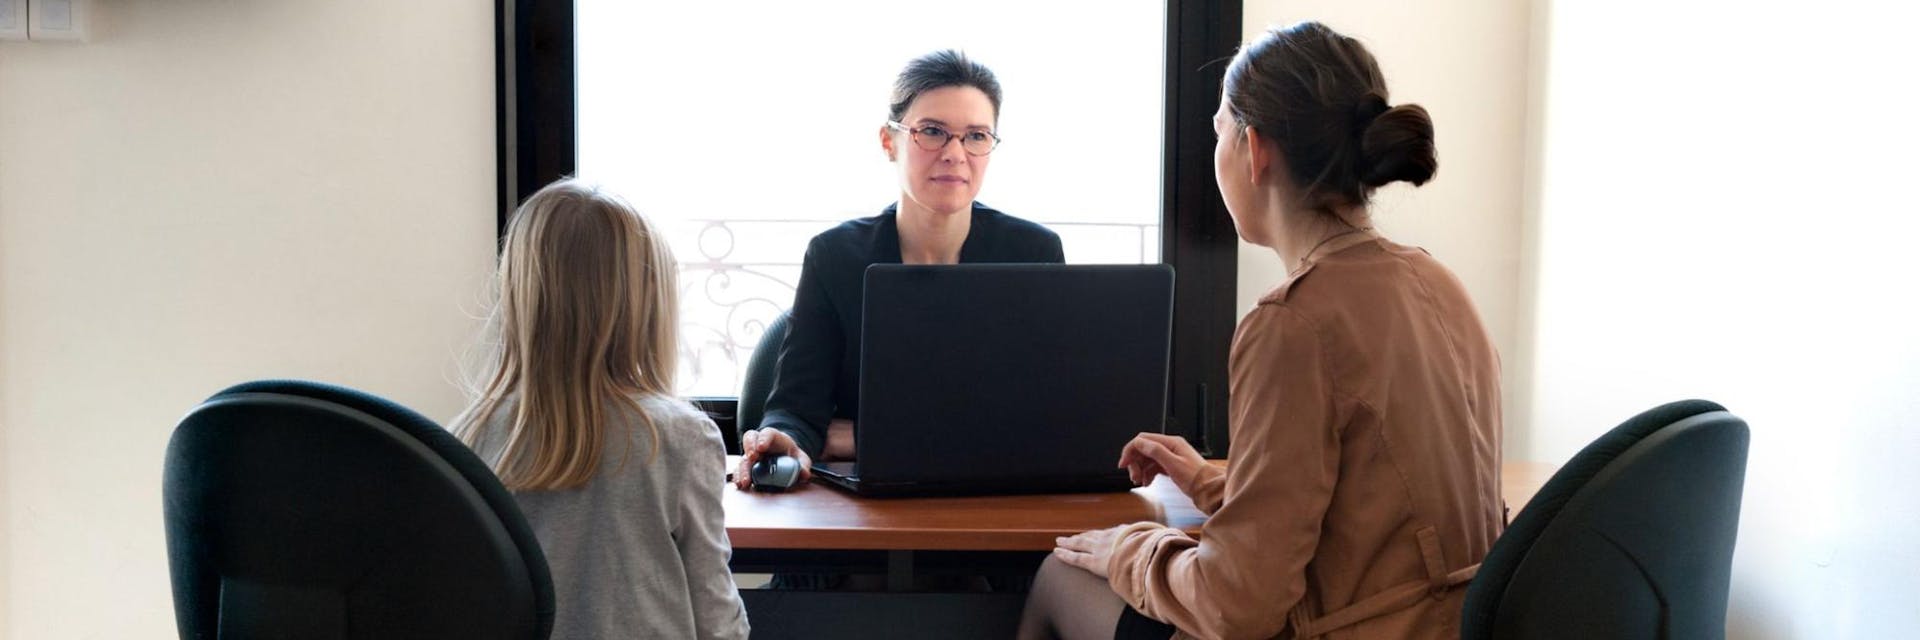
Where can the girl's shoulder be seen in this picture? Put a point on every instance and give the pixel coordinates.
(680, 423)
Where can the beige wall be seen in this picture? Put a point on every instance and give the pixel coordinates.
(211, 192)
(1467, 63)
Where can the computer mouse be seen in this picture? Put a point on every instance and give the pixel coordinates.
(775, 473)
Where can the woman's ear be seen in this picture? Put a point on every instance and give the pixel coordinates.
(886, 142)
(1259, 156)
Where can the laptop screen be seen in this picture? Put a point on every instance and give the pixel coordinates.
(998, 371)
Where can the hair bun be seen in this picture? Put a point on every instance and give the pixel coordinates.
(1397, 145)
(1368, 110)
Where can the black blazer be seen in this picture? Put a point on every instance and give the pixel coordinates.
(818, 376)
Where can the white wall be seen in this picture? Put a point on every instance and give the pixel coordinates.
(1467, 63)
(1726, 213)
(212, 192)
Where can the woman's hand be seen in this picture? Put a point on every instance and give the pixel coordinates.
(1088, 550)
(1153, 454)
(760, 443)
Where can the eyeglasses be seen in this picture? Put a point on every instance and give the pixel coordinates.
(935, 137)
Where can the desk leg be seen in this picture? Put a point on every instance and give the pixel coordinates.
(899, 571)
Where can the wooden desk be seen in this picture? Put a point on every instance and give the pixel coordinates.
(820, 517)
(824, 530)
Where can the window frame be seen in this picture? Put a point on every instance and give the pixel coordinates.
(536, 128)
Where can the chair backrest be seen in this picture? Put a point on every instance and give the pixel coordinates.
(761, 368)
(1633, 538)
(304, 510)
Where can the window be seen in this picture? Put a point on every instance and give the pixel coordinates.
(756, 142)
(746, 128)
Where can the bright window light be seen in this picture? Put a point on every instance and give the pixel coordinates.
(744, 128)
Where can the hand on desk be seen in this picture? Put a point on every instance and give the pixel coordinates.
(760, 443)
(1153, 454)
(1146, 456)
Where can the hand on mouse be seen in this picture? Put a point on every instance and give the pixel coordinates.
(760, 443)
(1152, 454)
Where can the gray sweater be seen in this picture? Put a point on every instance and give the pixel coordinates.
(640, 551)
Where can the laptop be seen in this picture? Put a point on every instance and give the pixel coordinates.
(1006, 378)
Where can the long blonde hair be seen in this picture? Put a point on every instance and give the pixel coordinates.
(585, 318)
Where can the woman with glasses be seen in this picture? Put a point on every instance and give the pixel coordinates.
(939, 135)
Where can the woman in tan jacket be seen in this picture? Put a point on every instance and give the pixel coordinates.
(1362, 488)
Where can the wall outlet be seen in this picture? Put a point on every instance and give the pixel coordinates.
(13, 19)
(58, 19)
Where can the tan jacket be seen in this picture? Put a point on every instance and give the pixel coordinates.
(1363, 487)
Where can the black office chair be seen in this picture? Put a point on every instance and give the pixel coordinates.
(305, 510)
(761, 368)
(1633, 538)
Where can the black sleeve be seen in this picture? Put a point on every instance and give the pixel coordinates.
(802, 400)
(1050, 246)
(1036, 243)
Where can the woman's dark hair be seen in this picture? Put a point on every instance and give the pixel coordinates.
(945, 68)
(1321, 97)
